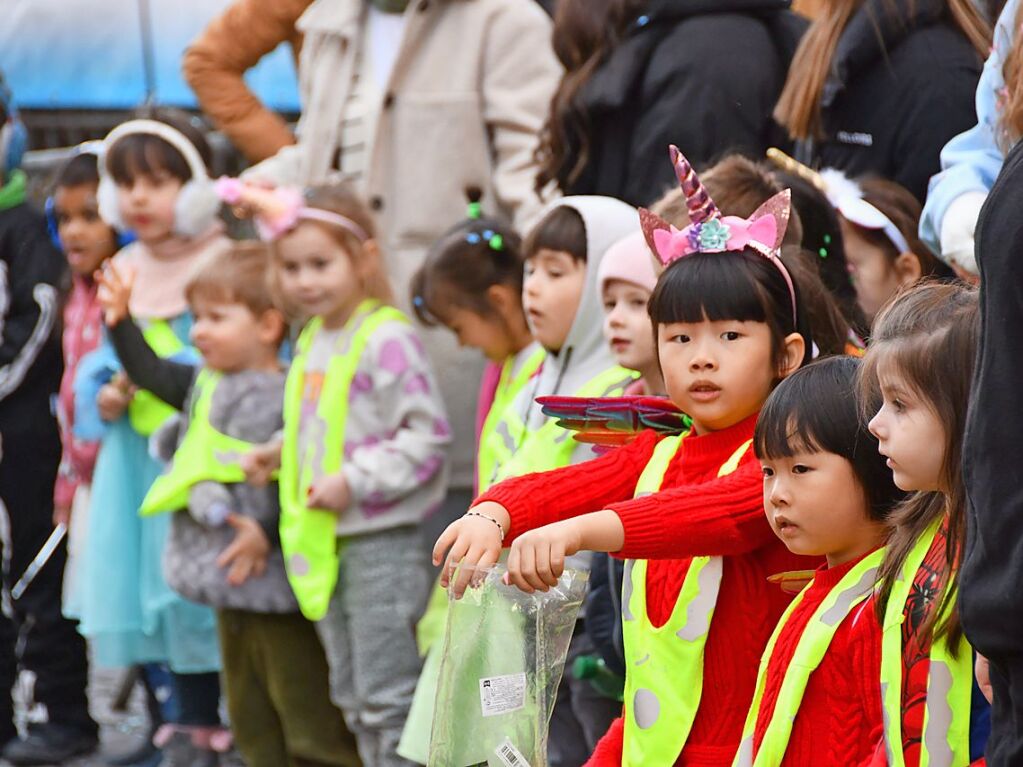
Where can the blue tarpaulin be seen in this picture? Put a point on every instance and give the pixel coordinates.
(117, 54)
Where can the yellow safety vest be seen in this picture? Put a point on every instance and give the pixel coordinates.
(550, 446)
(204, 455)
(664, 666)
(946, 733)
(309, 536)
(493, 450)
(146, 411)
(856, 586)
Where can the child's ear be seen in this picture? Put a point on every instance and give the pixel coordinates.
(793, 351)
(504, 299)
(908, 270)
(272, 327)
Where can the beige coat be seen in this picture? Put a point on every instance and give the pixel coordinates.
(468, 95)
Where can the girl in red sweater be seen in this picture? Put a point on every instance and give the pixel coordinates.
(729, 327)
(827, 492)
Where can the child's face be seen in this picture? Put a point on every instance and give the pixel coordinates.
(231, 338)
(817, 507)
(873, 274)
(86, 239)
(317, 275)
(147, 205)
(488, 334)
(551, 294)
(719, 372)
(910, 434)
(627, 325)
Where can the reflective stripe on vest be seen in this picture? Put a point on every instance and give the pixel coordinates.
(946, 733)
(856, 586)
(204, 455)
(494, 449)
(146, 411)
(309, 536)
(659, 709)
(551, 446)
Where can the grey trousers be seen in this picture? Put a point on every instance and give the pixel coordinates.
(369, 638)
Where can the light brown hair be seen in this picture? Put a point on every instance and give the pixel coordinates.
(903, 209)
(366, 258)
(930, 334)
(1011, 123)
(239, 274)
(799, 106)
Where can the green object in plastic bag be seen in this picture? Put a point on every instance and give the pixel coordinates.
(504, 654)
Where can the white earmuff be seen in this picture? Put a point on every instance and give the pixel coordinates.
(197, 204)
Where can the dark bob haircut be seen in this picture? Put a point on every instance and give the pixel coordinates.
(816, 410)
(740, 286)
(561, 229)
(142, 154)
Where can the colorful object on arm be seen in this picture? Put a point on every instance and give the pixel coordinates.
(614, 421)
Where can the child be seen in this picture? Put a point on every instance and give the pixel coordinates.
(87, 241)
(471, 283)
(225, 552)
(729, 327)
(33, 634)
(626, 278)
(153, 182)
(922, 358)
(879, 221)
(827, 492)
(362, 464)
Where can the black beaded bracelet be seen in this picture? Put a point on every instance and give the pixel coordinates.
(484, 516)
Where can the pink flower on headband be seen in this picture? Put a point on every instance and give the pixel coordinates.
(710, 232)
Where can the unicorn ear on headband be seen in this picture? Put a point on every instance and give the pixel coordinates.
(710, 232)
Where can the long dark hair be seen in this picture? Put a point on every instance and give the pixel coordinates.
(929, 334)
(585, 32)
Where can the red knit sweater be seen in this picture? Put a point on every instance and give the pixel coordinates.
(839, 720)
(696, 514)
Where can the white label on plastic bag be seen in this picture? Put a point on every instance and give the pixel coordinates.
(501, 694)
(509, 755)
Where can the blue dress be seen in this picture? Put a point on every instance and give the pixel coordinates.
(122, 602)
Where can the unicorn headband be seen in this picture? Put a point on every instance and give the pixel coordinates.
(277, 211)
(845, 196)
(710, 232)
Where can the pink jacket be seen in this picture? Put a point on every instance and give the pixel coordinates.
(83, 323)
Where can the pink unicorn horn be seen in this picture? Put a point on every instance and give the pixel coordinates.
(701, 207)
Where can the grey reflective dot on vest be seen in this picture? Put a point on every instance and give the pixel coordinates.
(939, 715)
(700, 609)
(298, 565)
(627, 591)
(646, 708)
(837, 612)
(642, 660)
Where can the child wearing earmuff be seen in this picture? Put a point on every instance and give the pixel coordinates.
(153, 182)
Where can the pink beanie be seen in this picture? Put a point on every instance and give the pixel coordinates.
(628, 260)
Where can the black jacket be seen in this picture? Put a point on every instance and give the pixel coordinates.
(702, 74)
(31, 273)
(893, 101)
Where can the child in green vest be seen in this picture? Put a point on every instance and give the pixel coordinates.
(224, 549)
(363, 458)
(471, 283)
(827, 492)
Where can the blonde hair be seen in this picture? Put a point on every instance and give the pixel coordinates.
(799, 106)
(343, 200)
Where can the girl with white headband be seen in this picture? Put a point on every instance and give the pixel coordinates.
(363, 460)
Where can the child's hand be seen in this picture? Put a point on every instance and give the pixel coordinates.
(114, 292)
(246, 556)
(983, 672)
(114, 397)
(537, 558)
(472, 540)
(260, 463)
(330, 492)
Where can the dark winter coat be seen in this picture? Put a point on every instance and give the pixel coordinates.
(702, 74)
(894, 100)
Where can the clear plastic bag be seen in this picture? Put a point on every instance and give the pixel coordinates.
(504, 653)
